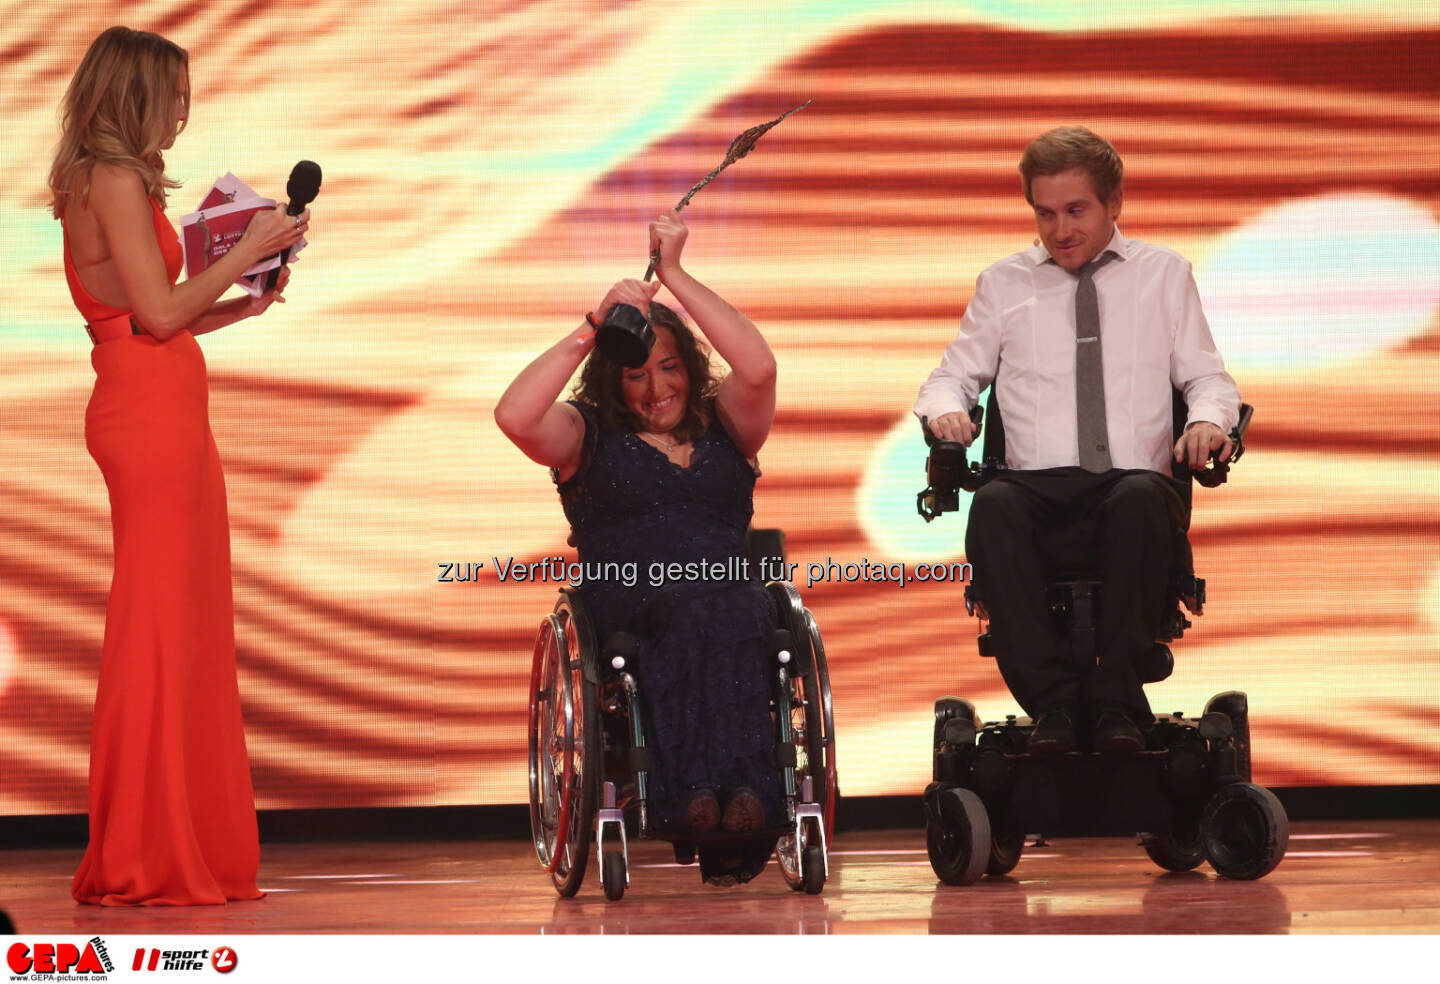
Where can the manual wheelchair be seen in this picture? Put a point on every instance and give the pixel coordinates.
(587, 740)
(1188, 791)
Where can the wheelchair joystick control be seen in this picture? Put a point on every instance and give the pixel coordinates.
(783, 656)
(618, 662)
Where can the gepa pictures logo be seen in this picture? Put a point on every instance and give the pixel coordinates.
(65, 961)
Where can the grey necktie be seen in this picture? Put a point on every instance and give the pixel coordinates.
(1094, 437)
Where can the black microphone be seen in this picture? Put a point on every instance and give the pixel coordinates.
(301, 189)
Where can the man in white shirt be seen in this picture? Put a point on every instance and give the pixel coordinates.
(1088, 431)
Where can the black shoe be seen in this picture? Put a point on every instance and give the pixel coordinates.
(702, 812)
(1115, 733)
(684, 852)
(1054, 734)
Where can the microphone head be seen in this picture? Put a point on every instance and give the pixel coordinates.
(303, 186)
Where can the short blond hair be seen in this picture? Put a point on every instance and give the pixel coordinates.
(1072, 148)
(120, 109)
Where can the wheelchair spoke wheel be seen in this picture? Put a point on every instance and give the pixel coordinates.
(564, 738)
(812, 722)
(959, 844)
(825, 749)
(1244, 831)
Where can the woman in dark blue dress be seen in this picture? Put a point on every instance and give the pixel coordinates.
(656, 467)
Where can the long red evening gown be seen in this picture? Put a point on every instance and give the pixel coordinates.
(172, 809)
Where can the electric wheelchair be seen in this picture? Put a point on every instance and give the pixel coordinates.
(587, 740)
(1187, 792)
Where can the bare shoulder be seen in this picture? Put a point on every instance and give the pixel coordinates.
(118, 201)
(109, 179)
(117, 195)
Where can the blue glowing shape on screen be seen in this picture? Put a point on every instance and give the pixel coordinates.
(1323, 280)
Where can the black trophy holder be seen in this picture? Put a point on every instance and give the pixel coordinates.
(625, 336)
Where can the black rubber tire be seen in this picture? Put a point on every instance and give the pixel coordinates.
(614, 871)
(1244, 831)
(959, 844)
(1182, 849)
(1005, 851)
(1173, 855)
(813, 868)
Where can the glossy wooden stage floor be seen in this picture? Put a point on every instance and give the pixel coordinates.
(1370, 877)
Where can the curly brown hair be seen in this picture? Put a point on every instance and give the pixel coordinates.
(599, 383)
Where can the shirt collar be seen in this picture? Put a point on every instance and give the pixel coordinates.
(1039, 255)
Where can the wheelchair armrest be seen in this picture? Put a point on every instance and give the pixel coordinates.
(1218, 472)
(974, 604)
(948, 470)
(977, 417)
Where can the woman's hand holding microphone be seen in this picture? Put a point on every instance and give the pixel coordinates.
(269, 233)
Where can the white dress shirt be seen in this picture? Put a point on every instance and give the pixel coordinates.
(1019, 330)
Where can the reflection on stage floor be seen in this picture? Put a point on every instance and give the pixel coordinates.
(1372, 877)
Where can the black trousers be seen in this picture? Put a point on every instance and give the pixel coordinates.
(1139, 515)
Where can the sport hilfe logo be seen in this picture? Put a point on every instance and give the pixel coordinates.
(58, 958)
(222, 958)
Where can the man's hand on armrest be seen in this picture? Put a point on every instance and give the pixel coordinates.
(1198, 441)
(954, 427)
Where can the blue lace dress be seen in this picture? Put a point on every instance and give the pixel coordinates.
(705, 657)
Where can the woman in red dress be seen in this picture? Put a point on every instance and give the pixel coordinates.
(172, 809)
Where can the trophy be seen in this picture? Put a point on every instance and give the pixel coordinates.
(626, 336)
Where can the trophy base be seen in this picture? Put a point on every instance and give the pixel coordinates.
(626, 336)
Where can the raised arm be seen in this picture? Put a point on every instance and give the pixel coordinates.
(746, 401)
(120, 206)
(547, 431)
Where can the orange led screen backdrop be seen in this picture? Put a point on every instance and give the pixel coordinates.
(489, 170)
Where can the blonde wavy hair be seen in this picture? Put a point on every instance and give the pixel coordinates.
(121, 108)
